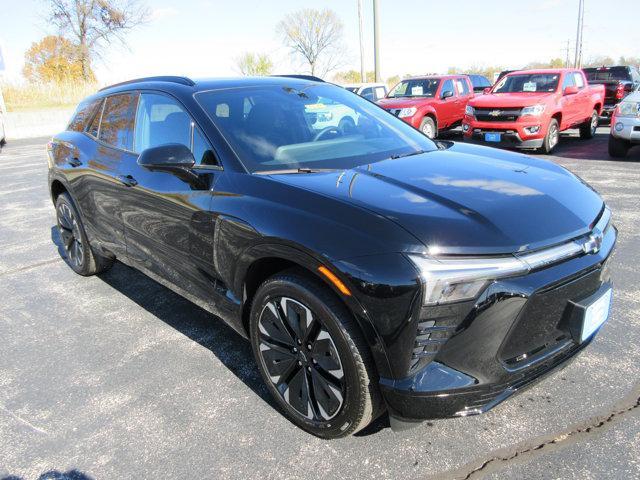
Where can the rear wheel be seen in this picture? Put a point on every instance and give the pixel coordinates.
(312, 356)
(552, 138)
(77, 251)
(588, 128)
(428, 127)
(618, 148)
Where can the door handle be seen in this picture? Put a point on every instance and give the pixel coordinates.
(74, 162)
(127, 180)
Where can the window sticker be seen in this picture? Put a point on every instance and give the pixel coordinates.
(529, 87)
(417, 90)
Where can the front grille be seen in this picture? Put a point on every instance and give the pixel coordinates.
(497, 114)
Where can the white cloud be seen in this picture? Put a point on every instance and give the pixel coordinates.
(162, 13)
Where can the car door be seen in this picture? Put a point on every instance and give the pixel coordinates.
(465, 93)
(167, 220)
(583, 101)
(570, 103)
(96, 163)
(446, 108)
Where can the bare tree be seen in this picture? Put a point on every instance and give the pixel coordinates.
(94, 24)
(316, 36)
(254, 64)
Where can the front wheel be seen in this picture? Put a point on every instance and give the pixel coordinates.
(312, 356)
(618, 148)
(428, 127)
(588, 128)
(552, 138)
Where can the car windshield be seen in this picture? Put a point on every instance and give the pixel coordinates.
(417, 87)
(528, 83)
(307, 126)
(607, 73)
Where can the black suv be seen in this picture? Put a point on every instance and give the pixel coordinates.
(371, 268)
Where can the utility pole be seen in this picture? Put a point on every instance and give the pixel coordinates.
(566, 62)
(578, 58)
(376, 40)
(363, 73)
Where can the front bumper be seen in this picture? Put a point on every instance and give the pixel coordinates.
(520, 330)
(513, 134)
(626, 128)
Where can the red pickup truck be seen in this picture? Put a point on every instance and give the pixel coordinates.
(430, 103)
(528, 109)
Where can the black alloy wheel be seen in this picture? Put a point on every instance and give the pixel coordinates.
(312, 356)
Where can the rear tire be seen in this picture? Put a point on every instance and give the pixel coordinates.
(428, 127)
(588, 128)
(618, 148)
(312, 356)
(552, 137)
(78, 252)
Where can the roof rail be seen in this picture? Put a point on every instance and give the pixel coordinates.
(161, 78)
(302, 77)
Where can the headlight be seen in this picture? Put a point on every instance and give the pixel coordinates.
(453, 280)
(535, 110)
(628, 109)
(407, 112)
(468, 110)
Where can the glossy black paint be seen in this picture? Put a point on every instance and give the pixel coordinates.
(214, 233)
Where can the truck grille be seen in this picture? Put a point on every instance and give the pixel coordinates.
(497, 114)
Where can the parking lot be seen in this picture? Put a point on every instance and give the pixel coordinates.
(117, 377)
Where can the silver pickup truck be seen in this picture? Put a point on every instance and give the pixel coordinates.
(625, 125)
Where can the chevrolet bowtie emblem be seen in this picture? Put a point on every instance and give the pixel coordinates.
(495, 113)
(593, 243)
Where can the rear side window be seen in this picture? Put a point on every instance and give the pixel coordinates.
(83, 114)
(568, 81)
(94, 126)
(463, 86)
(116, 127)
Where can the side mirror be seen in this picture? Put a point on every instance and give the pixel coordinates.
(447, 94)
(571, 90)
(170, 156)
(486, 91)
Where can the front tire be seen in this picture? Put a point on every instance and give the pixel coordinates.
(78, 253)
(552, 137)
(428, 127)
(312, 356)
(618, 148)
(588, 128)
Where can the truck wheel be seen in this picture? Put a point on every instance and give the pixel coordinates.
(552, 138)
(428, 127)
(618, 147)
(588, 128)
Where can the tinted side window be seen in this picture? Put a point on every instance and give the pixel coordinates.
(161, 120)
(94, 126)
(463, 86)
(447, 86)
(116, 127)
(83, 114)
(367, 93)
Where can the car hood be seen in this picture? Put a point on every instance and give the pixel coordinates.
(502, 100)
(404, 102)
(467, 199)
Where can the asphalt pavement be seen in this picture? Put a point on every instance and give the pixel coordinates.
(114, 376)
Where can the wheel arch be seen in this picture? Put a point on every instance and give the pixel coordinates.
(263, 261)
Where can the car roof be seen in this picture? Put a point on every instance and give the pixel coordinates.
(544, 70)
(185, 84)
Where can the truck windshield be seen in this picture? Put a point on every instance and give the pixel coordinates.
(608, 73)
(301, 127)
(528, 83)
(418, 87)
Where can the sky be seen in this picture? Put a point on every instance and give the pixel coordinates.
(203, 38)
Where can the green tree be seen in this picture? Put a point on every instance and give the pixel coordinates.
(53, 59)
(254, 64)
(95, 24)
(316, 37)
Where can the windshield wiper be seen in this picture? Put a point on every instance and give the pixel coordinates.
(294, 170)
(417, 152)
